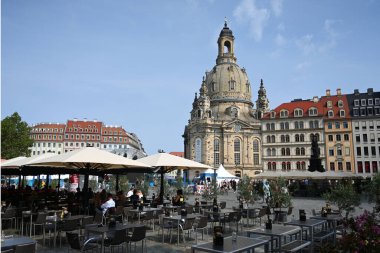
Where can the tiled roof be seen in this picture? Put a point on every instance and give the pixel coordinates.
(305, 105)
(180, 154)
(334, 101)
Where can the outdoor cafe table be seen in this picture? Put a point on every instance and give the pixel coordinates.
(12, 242)
(241, 244)
(103, 230)
(278, 232)
(309, 224)
(223, 212)
(144, 210)
(177, 219)
(171, 208)
(331, 219)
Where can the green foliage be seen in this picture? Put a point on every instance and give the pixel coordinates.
(15, 139)
(246, 191)
(211, 191)
(280, 197)
(373, 190)
(344, 196)
(124, 183)
(93, 185)
(143, 186)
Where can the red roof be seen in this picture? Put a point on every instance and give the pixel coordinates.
(335, 108)
(180, 154)
(304, 105)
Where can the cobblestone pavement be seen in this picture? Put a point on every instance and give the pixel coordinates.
(154, 243)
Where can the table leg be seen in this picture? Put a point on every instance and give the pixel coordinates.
(178, 232)
(102, 243)
(311, 230)
(31, 218)
(22, 224)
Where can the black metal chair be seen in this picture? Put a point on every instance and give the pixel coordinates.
(118, 239)
(138, 234)
(187, 225)
(77, 242)
(69, 225)
(9, 215)
(201, 224)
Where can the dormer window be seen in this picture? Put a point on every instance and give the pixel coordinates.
(329, 104)
(342, 113)
(298, 113)
(313, 111)
(370, 101)
(284, 114)
(330, 113)
(272, 114)
(356, 102)
(363, 102)
(340, 103)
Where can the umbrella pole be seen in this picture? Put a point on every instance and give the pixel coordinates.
(85, 194)
(117, 183)
(19, 181)
(162, 187)
(59, 181)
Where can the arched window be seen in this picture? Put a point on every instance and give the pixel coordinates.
(273, 152)
(316, 124)
(317, 136)
(286, 125)
(273, 139)
(287, 138)
(298, 151)
(303, 166)
(198, 150)
(272, 126)
(298, 165)
(269, 166)
(237, 173)
(268, 139)
(282, 138)
(269, 152)
(297, 137)
(209, 114)
(282, 125)
(256, 152)
(288, 166)
(302, 151)
(216, 152)
(311, 137)
(273, 165)
(283, 153)
(283, 166)
(296, 126)
(268, 126)
(302, 138)
(301, 124)
(288, 151)
(237, 151)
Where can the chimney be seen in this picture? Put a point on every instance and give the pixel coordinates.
(328, 93)
(370, 91)
(338, 91)
(315, 99)
(356, 92)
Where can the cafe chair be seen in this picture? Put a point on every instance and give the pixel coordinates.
(148, 218)
(9, 215)
(165, 224)
(87, 220)
(189, 209)
(68, 226)
(118, 239)
(40, 221)
(156, 217)
(126, 213)
(201, 224)
(138, 234)
(186, 226)
(99, 218)
(77, 242)
(26, 248)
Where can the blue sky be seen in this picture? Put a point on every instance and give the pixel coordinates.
(139, 63)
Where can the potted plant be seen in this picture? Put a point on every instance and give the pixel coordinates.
(344, 197)
(279, 199)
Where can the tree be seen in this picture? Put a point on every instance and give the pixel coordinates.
(373, 190)
(15, 140)
(344, 196)
(246, 190)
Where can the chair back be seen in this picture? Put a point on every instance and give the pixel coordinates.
(202, 223)
(138, 234)
(223, 205)
(30, 248)
(313, 212)
(41, 218)
(126, 211)
(86, 221)
(158, 213)
(262, 212)
(189, 209)
(73, 240)
(149, 215)
(188, 223)
(10, 212)
(98, 219)
(236, 216)
(290, 210)
(119, 237)
(70, 225)
(119, 210)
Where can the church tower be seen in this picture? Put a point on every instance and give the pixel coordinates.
(223, 126)
(262, 102)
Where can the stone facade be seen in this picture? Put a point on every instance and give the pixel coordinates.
(224, 127)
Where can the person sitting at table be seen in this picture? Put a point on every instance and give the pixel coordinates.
(110, 203)
(179, 199)
(135, 198)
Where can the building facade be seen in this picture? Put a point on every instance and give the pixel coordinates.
(224, 127)
(287, 132)
(365, 114)
(76, 134)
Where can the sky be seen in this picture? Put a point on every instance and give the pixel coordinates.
(138, 63)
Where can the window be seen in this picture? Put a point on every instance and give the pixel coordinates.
(365, 138)
(373, 151)
(362, 111)
(377, 101)
(356, 102)
(371, 125)
(346, 137)
(360, 167)
(330, 137)
(340, 103)
(302, 151)
(367, 167)
(302, 137)
(340, 166)
(198, 150)
(372, 137)
(269, 166)
(268, 139)
(356, 112)
(287, 138)
(313, 111)
(272, 126)
(374, 167)
(288, 166)
(338, 137)
(297, 138)
(296, 126)
(357, 138)
(273, 114)
(282, 126)
(342, 113)
(298, 152)
(339, 151)
(348, 166)
(369, 111)
(216, 152)
(273, 152)
(284, 114)
(301, 124)
(283, 153)
(331, 152)
(286, 125)
(282, 138)
(332, 166)
(256, 149)
(268, 126)
(256, 159)
(329, 104)
(329, 125)
(337, 125)
(237, 151)
(269, 152)
(273, 139)
(363, 102)
(283, 166)
(358, 151)
(288, 151)
(330, 114)
(366, 153)
(298, 113)
(347, 151)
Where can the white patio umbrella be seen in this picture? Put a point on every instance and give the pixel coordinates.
(93, 161)
(7, 167)
(164, 162)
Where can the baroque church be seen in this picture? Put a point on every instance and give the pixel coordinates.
(224, 127)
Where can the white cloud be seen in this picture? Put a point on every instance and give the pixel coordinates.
(331, 35)
(302, 65)
(248, 12)
(281, 27)
(276, 7)
(306, 44)
(280, 40)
